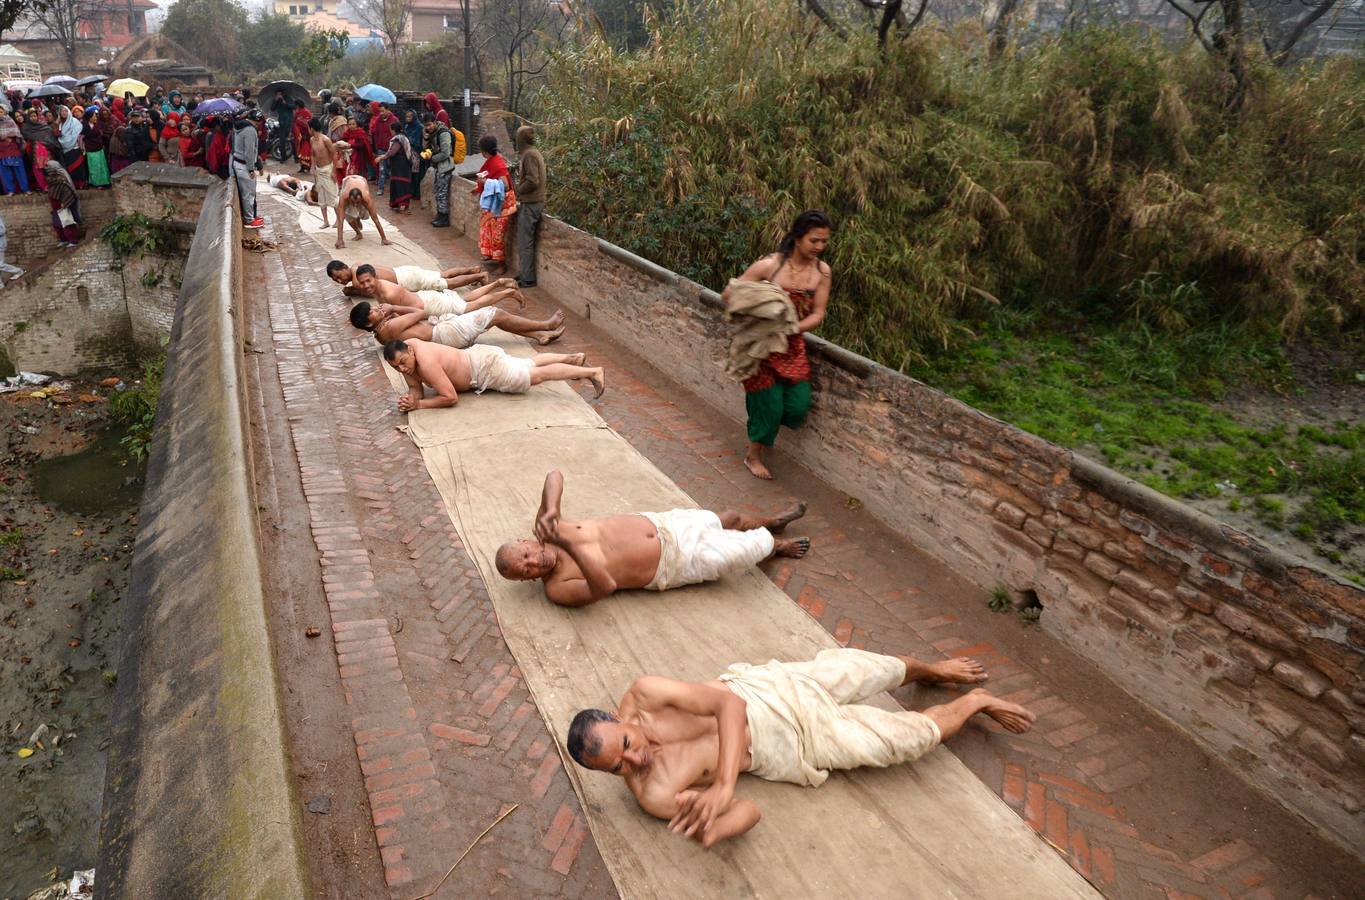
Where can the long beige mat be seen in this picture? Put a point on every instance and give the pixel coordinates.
(930, 829)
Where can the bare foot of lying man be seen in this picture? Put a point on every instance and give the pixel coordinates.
(482, 367)
(681, 745)
(581, 561)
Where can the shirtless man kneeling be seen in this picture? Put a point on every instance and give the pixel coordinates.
(582, 561)
(354, 204)
(412, 278)
(401, 323)
(448, 310)
(483, 367)
(681, 745)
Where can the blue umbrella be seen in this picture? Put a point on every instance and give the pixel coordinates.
(375, 93)
(218, 106)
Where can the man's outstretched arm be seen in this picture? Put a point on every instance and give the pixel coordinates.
(550, 495)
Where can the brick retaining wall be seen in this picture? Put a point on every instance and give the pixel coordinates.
(1257, 654)
(85, 307)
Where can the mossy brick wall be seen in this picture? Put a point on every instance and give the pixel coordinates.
(86, 308)
(28, 222)
(1257, 655)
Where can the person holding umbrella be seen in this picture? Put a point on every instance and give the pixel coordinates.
(283, 110)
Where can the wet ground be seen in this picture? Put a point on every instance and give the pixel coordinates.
(68, 517)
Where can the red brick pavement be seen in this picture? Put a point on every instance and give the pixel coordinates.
(448, 737)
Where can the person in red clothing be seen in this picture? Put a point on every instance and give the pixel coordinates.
(383, 124)
(437, 109)
(191, 145)
(362, 151)
(261, 143)
(218, 156)
(779, 392)
(303, 144)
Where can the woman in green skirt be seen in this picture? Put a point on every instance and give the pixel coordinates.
(96, 163)
(779, 392)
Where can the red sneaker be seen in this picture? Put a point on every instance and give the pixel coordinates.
(257, 222)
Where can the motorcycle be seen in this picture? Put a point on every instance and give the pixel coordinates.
(277, 140)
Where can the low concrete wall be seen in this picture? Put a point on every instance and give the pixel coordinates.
(1257, 655)
(198, 800)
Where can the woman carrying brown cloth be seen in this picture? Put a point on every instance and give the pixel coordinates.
(779, 392)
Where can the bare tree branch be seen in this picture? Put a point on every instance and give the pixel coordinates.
(919, 16)
(1194, 21)
(1282, 55)
(821, 14)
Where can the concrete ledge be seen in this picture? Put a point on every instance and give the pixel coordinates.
(198, 799)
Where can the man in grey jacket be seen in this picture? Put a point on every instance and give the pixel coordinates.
(440, 146)
(531, 195)
(245, 161)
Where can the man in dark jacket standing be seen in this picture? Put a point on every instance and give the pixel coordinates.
(531, 194)
(283, 110)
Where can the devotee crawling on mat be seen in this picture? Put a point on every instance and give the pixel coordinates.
(412, 278)
(354, 204)
(680, 746)
(480, 368)
(394, 323)
(777, 388)
(582, 561)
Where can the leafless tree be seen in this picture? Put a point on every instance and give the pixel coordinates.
(520, 33)
(63, 20)
(388, 17)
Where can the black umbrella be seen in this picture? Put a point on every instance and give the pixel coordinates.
(91, 79)
(49, 90)
(292, 90)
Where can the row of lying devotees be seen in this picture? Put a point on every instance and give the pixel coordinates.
(680, 746)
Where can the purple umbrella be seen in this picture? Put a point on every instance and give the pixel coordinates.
(218, 106)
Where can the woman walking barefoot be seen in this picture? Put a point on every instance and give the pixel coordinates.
(779, 392)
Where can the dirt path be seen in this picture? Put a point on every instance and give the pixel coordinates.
(63, 570)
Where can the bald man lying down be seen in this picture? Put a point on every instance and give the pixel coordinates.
(584, 560)
(681, 745)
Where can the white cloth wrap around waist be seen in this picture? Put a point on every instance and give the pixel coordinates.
(441, 302)
(493, 369)
(462, 330)
(328, 192)
(416, 278)
(804, 719)
(694, 547)
(355, 211)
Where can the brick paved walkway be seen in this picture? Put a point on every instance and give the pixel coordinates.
(447, 736)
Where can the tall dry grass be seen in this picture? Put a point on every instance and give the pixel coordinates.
(1062, 175)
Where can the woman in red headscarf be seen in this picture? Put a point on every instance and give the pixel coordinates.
(168, 141)
(119, 112)
(434, 105)
(362, 151)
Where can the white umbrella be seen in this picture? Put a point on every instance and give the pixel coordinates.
(65, 81)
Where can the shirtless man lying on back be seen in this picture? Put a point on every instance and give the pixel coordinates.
(413, 278)
(681, 745)
(483, 367)
(450, 312)
(582, 561)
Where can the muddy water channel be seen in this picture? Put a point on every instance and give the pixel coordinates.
(68, 517)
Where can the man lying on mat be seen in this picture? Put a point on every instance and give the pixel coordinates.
(412, 278)
(681, 745)
(401, 323)
(582, 561)
(455, 321)
(482, 367)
